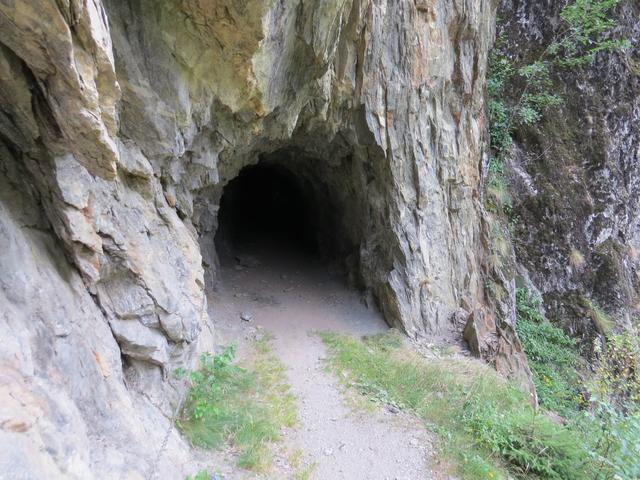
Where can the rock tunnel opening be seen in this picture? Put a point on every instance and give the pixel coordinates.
(267, 210)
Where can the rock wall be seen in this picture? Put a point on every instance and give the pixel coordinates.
(575, 178)
(120, 124)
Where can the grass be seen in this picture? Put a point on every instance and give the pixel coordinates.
(601, 321)
(301, 471)
(201, 475)
(553, 357)
(486, 426)
(241, 406)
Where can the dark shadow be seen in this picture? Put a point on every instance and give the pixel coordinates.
(267, 208)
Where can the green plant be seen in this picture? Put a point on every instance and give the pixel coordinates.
(245, 407)
(613, 441)
(202, 475)
(617, 375)
(485, 422)
(553, 356)
(587, 23)
(520, 92)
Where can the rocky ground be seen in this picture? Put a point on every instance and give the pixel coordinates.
(337, 436)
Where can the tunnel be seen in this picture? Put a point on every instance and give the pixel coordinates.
(292, 207)
(268, 210)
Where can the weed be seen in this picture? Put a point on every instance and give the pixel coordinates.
(617, 373)
(553, 356)
(202, 475)
(245, 407)
(487, 422)
(601, 321)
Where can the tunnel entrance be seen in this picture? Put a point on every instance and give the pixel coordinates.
(265, 210)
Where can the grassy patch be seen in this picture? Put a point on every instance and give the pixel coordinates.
(486, 425)
(553, 357)
(301, 470)
(242, 406)
(201, 475)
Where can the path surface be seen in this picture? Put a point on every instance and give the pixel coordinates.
(290, 303)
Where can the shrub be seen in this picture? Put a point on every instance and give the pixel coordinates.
(553, 356)
(612, 441)
(617, 377)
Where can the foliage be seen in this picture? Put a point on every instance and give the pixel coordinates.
(612, 441)
(617, 377)
(609, 424)
(203, 475)
(487, 423)
(553, 356)
(519, 93)
(245, 407)
(587, 24)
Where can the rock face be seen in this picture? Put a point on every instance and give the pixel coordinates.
(575, 178)
(120, 124)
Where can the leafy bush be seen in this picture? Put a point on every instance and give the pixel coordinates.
(609, 425)
(553, 356)
(612, 441)
(617, 377)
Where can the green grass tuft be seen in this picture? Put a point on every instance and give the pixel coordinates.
(486, 425)
(201, 475)
(243, 407)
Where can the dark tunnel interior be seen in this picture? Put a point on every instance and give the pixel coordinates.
(267, 208)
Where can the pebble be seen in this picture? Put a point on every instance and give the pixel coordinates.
(247, 317)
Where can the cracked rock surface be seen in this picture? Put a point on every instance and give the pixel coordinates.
(120, 124)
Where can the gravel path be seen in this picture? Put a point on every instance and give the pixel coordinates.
(334, 440)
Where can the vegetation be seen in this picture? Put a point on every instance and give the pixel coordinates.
(606, 414)
(487, 424)
(617, 376)
(520, 92)
(201, 475)
(553, 357)
(243, 407)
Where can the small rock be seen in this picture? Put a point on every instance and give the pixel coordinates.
(392, 409)
(248, 261)
(247, 317)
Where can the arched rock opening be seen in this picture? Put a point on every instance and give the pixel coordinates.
(284, 207)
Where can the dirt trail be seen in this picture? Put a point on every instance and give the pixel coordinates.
(291, 299)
